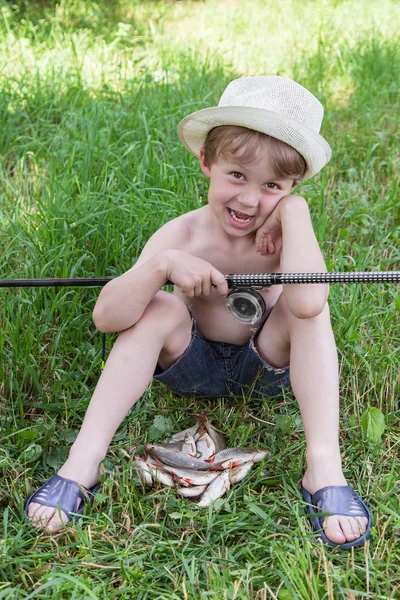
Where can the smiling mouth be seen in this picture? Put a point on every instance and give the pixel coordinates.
(240, 217)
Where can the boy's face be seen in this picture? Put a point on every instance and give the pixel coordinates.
(242, 196)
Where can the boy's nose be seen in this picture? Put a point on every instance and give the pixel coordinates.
(249, 200)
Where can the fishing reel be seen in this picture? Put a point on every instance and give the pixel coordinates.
(244, 302)
(245, 305)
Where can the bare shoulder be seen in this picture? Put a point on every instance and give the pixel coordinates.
(174, 235)
(182, 228)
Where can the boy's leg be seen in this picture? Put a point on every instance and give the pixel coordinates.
(161, 335)
(308, 345)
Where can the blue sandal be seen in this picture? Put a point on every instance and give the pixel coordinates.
(336, 500)
(63, 494)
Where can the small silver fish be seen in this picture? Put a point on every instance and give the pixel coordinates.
(182, 481)
(192, 477)
(160, 475)
(238, 473)
(180, 436)
(143, 470)
(217, 438)
(189, 446)
(172, 445)
(205, 446)
(173, 458)
(261, 454)
(232, 457)
(191, 492)
(216, 489)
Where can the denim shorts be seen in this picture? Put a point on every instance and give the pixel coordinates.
(218, 369)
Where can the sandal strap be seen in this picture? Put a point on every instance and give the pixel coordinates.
(59, 492)
(340, 500)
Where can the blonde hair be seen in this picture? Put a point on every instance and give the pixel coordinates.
(233, 142)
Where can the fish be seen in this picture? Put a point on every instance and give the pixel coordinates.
(205, 447)
(192, 477)
(160, 475)
(173, 458)
(192, 492)
(172, 445)
(205, 426)
(232, 457)
(238, 473)
(216, 489)
(183, 482)
(261, 454)
(197, 462)
(143, 470)
(189, 445)
(180, 436)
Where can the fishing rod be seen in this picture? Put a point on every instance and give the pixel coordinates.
(243, 303)
(254, 280)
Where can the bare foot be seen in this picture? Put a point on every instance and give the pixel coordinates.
(339, 529)
(86, 473)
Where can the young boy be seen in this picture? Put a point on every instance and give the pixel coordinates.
(260, 141)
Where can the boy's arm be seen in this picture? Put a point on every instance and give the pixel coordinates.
(123, 300)
(300, 254)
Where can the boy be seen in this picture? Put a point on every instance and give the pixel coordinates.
(260, 141)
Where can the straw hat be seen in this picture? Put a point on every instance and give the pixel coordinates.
(273, 105)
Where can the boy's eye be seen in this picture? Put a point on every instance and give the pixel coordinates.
(272, 186)
(237, 175)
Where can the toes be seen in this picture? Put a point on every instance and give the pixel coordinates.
(46, 517)
(339, 529)
(355, 527)
(41, 520)
(55, 523)
(360, 525)
(32, 508)
(350, 528)
(42, 516)
(51, 522)
(333, 530)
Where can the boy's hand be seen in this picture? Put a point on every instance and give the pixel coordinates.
(192, 275)
(269, 235)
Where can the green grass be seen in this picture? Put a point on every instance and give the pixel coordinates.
(90, 95)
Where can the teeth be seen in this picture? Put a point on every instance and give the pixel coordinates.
(236, 218)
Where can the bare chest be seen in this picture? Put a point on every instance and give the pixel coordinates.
(210, 312)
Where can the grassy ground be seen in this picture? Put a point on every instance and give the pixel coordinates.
(90, 95)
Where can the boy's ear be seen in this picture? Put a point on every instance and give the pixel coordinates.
(203, 165)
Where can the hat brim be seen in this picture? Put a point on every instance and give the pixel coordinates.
(315, 150)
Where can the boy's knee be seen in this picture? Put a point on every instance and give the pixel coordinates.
(168, 310)
(317, 320)
(287, 322)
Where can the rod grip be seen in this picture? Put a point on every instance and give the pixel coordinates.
(263, 280)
